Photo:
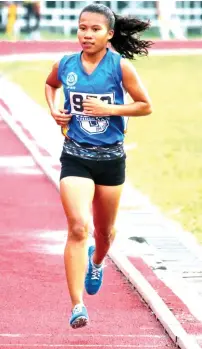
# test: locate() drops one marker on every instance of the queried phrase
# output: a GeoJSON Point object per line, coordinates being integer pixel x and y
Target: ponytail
{"type": "Point", "coordinates": [126, 39]}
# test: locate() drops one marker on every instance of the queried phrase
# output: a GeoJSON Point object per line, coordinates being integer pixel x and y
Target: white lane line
{"type": "Point", "coordinates": [41, 161]}
{"type": "Point", "coordinates": [32, 56]}
{"type": "Point", "coordinates": [19, 165]}
{"type": "Point", "coordinates": [23, 171]}
{"type": "Point", "coordinates": [54, 56]}
{"type": "Point", "coordinates": [44, 132]}
{"type": "Point", "coordinates": [176, 52]}
{"type": "Point", "coordinates": [17, 161]}
{"type": "Point", "coordinates": [172, 326]}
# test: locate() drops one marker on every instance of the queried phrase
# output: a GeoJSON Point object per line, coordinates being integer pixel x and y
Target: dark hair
{"type": "Point", "coordinates": [127, 29]}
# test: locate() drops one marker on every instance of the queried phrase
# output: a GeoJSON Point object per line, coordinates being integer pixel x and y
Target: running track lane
{"type": "Point", "coordinates": [34, 301]}
{"type": "Point", "coordinates": [8, 47]}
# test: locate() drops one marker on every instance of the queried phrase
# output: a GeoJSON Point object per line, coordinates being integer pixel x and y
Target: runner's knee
{"type": "Point", "coordinates": [107, 235]}
{"type": "Point", "coordinates": [78, 230]}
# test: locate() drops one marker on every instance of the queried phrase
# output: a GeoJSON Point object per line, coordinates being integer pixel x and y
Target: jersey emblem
{"type": "Point", "coordinates": [71, 79]}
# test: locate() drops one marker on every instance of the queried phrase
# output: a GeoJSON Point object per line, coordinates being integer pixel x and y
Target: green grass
{"type": "Point", "coordinates": [30, 75]}
{"type": "Point", "coordinates": [166, 164]}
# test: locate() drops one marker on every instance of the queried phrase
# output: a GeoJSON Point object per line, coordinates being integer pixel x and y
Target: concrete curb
{"type": "Point", "coordinates": [172, 326]}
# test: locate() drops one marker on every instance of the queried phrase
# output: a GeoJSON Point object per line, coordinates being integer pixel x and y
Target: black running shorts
{"type": "Point", "coordinates": [102, 172]}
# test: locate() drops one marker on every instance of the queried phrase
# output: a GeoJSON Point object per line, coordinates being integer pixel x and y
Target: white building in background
{"type": "Point", "coordinates": [169, 16]}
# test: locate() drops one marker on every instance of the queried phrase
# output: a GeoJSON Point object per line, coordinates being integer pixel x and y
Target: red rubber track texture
{"type": "Point", "coordinates": [21, 47]}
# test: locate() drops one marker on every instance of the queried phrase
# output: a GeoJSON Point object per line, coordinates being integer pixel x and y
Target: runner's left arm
{"type": "Point", "coordinates": [140, 105]}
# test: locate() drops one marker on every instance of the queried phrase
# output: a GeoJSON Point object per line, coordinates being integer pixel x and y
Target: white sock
{"type": "Point", "coordinates": [98, 266]}
{"type": "Point", "coordinates": [80, 304]}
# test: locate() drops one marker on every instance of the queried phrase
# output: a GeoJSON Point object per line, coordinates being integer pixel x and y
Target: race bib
{"type": "Point", "coordinates": [90, 124]}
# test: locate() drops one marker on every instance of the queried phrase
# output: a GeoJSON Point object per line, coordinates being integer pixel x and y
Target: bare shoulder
{"type": "Point", "coordinates": [132, 82]}
{"type": "Point", "coordinates": [130, 77]}
{"type": "Point", "coordinates": [52, 78]}
{"type": "Point", "coordinates": [127, 67]}
{"type": "Point", "coordinates": [56, 65]}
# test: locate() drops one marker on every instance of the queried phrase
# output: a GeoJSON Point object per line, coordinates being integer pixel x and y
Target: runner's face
{"type": "Point", "coordinates": [93, 32]}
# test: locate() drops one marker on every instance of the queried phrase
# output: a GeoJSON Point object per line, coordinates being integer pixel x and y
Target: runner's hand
{"type": "Point", "coordinates": [61, 116]}
{"type": "Point", "coordinates": [95, 107]}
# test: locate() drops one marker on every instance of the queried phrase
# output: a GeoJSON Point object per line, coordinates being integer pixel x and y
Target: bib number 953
{"type": "Point", "coordinates": [77, 98]}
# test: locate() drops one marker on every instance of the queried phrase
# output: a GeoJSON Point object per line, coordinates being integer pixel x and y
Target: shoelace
{"type": "Point", "coordinates": [77, 309]}
{"type": "Point", "coordinates": [96, 273]}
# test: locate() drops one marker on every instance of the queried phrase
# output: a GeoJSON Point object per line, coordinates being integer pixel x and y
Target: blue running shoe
{"type": "Point", "coordinates": [79, 317]}
{"type": "Point", "coordinates": [94, 275]}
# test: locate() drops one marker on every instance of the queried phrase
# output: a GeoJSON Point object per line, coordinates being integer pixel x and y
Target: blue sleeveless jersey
{"type": "Point", "coordinates": [105, 83]}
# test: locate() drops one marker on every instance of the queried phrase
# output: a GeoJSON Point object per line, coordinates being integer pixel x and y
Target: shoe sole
{"type": "Point", "coordinates": [79, 322]}
{"type": "Point", "coordinates": [92, 293]}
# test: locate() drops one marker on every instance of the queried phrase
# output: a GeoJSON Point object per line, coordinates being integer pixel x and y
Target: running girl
{"type": "Point", "coordinates": [93, 120]}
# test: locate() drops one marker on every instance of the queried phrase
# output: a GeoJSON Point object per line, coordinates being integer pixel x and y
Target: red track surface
{"type": "Point", "coordinates": [34, 300]}
{"type": "Point", "coordinates": [8, 47]}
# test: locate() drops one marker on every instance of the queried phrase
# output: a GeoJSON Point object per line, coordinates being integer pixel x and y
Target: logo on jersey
{"type": "Point", "coordinates": [93, 125]}
{"type": "Point", "coordinates": [71, 79]}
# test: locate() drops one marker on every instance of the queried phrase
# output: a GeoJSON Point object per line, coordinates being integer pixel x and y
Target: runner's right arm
{"type": "Point", "coordinates": [52, 87]}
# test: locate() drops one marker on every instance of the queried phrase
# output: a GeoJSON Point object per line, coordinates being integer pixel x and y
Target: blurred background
{"type": "Point", "coordinates": [58, 19]}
